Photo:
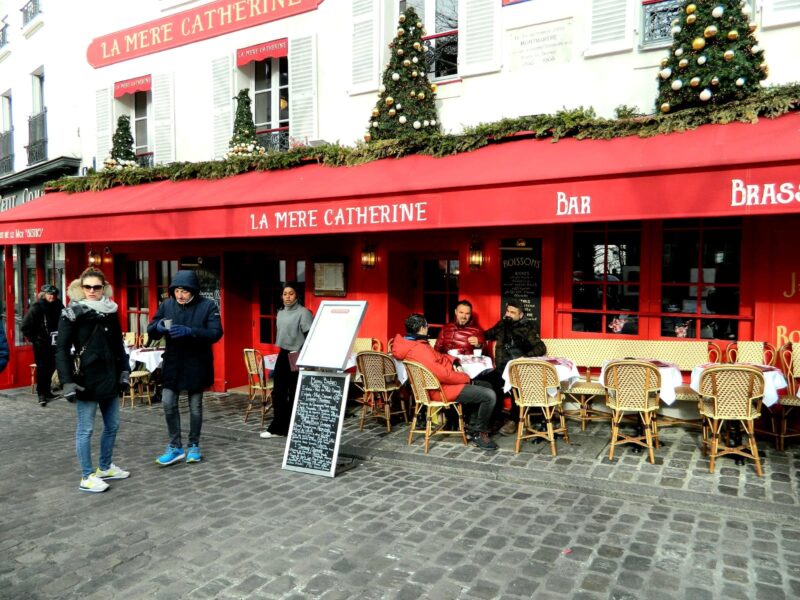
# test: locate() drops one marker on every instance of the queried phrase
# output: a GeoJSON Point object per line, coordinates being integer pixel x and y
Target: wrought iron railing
{"type": "Point", "coordinates": [144, 159]}
{"type": "Point", "coordinates": [6, 152]}
{"type": "Point", "coordinates": [3, 36]}
{"type": "Point", "coordinates": [29, 11]}
{"type": "Point", "coordinates": [274, 139]}
{"type": "Point", "coordinates": [443, 54]}
{"type": "Point", "coordinates": [657, 20]}
{"type": "Point", "coordinates": [37, 138]}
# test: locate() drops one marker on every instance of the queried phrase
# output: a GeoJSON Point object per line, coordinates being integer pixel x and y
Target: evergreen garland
{"type": "Point", "coordinates": [580, 123]}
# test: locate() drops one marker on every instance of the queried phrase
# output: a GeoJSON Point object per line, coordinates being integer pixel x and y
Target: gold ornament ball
{"type": "Point", "coordinates": [733, 35]}
{"type": "Point", "coordinates": [665, 107]}
{"type": "Point", "coordinates": [406, 63]}
{"type": "Point", "coordinates": [764, 67]}
{"type": "Point", "coordinates": [401, 32]}
{"type": "Point", "coordinates": [715, 81]}
{"type": "Point", "coordinates": [664, 62]}
{"type": "Point", "coordinates": [728, 55]}
{"type": "Point", "coordinates": [419, 24]}
{"type": "Point", "coordinates": [691, 8]}
{"type": "Point", "coordinates": [367, 137]}
{"type": "Point", "coordinates": [392, 112]}
{"type": "Point", "coordinates": [389, 100]}
{"type": "Point", "coordinates": [698, 43]}
{"type": "Point", "coordinates": [434, 88]}
{"type": "Point", "coordinates": [691, 19]}
{"type": "Point", "coordinates": [752, 27]}
{"type": "Point", "coordinates": [694, 81]}
{"type": "Point", "coordinates": [710, 31]}
{"type": "Point", "coordinates": [400, 52]}
{"type": "Point", "coordinates": [412, 93]}
{"type": "Point", "coordinates": [417, 46]}
{"type": "Point", "coordinates": [683, 63]}
{"type": "Point", "coordinates": [414, 73]}
{"type": "Point", "coordinates": [402, 18]}
{"type": "Point", "coordinates": [421, 95]}
{"type": "Point", "coordinates": [375, 112]}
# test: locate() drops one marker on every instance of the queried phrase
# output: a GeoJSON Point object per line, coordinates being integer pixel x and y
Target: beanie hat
{"type": "Point", "coordinates": [48, 288]}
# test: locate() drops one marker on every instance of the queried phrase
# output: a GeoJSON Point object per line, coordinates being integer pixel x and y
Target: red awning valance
{"type": "Point", "coordinates": [263, 51]}
{"type": "Point", "coordinates": [131, 86]}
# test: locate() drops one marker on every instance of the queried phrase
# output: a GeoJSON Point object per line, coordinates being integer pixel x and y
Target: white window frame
{"type": "Point", "coordinates": [5, 112]}
{"type": "Point", "coordinates": [615, 46]}
{"type": "Point", "coordinates": [429, 23]}
{"type": "Point", "coordinates": [779, 13]}
{"type": "Point", "coordinates": [276, 89]}
{"type": "Point", "coordinates": [147, 123]}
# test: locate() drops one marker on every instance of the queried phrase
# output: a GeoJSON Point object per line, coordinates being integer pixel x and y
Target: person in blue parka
{"type": "Point", "coordinates": [191, 325]}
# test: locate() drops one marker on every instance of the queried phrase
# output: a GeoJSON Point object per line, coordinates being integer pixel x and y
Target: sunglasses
{"type": "Point", "coordinates": [94, 288]}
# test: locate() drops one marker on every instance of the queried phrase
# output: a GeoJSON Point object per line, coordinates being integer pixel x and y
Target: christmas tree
{"type": "Point", "coordinates": [715, 57]}
{"type": "Point", "coordinates": [244, 141]}
{"type": "Point", "coordinates": [406, 101]}
{"type": "Point", "coordinates": [122, 144]}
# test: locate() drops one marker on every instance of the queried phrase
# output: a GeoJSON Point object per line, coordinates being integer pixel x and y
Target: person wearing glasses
{"type": "Point", "coordinates": [191, 325]}
{"type": "Point", "coordinates": [93, 369]}
{"type": "Point", "coordinates": [40, 326]}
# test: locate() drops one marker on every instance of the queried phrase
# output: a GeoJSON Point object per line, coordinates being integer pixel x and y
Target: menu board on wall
{"type": "Point", "coordinates": [315, 431]}
{"type": "Point", "coordinates": [521, 275]}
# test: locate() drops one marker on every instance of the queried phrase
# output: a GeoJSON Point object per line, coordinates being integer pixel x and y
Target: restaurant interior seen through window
{"type": "Point", "coordinates": [440, 292]}
{"type": "Point", "coordinates": [137, 283]}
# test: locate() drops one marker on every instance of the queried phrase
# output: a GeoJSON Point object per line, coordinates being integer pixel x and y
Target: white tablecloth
{"type": "Point", "coordinates": [566, 369]}
{"type": "Point", "coordinates": [150, 358]}
{"type": "Point", "coordinates": [773, 381]}
{"type": "Point", "coordinates": [671, 378]}
{"type": "Point", "coordinates": [474, 365]}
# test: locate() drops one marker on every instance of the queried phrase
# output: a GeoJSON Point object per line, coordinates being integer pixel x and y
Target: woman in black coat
{"type": "Point", "coordinates": [191, 325]}
{"type": "Point", "coordinates": [89, 329]}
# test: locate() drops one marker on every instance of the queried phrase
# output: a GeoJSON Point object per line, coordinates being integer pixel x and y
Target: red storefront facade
{"type": "Point", "coordinates": [628, 234]}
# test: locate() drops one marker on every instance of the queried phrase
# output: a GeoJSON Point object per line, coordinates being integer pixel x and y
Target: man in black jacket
{"type": "Point", "coordinates": [515, 337]}
{"type": "Point", "coordinates": [40, 326]}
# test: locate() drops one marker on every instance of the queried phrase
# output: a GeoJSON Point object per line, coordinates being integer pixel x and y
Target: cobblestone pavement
{"type": "Point", "coordinates": [457, 523]}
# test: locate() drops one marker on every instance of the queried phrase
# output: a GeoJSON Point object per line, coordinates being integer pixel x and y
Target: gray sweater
{"type": "Point", "coordinates": [293, 323]}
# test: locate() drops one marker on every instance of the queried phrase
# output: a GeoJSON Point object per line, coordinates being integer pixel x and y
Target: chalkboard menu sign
{"type": "Point", "coordinates": [521, 275]}
{"type": "Point", "coordinates": [313, 442]}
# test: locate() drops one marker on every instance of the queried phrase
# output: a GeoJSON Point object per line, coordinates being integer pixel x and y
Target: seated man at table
{"type": "Point", "coordinates": [460, 334]}
{"type": "Point", "coordinates": [515, 337]}
{"type": "Point", "coordinates": [455, 384]}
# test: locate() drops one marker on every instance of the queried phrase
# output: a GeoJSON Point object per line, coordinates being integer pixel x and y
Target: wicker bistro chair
{"type": "Point", "coordinates": [633, 386]}
{"type": "Point", "coordinates": [379, 381]}
{"type": "Point", "coordinates": [780, 413]}
{"type": "Point", "coordinates": [731, 393]}
{"type": "Point", "coordinates": [259, 385]}
{"type": "Point", "coordinates": [141, 386]}
{"type": "Point", "coordinates": [423, 382]}
{"type": "Point", "coordinates": [535, 384]}
{"type": "Point", "coordinates": [760, 353]}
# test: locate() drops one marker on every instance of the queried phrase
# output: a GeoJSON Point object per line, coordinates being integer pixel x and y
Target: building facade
{"type": "Point", "coordinates": [660, 238]}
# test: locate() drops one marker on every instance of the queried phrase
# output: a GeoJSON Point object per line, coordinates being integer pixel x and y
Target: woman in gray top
{"type": "Point", "coordinates": [293, 322]}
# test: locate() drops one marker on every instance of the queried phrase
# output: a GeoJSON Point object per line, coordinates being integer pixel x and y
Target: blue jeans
{"type": "Point", "coordinates": [169, 400]}
{"type": "Point", "coordinates": [87, 410]}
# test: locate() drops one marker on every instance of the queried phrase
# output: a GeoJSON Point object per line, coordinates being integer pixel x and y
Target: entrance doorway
{"type": "Point", "coordinates": [270, 275]}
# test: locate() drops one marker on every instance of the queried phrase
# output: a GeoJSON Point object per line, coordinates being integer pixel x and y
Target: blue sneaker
{"type": "Point", "coordinates": [193, 455]}
{"type": "Point", "coordinates": [172, 455]}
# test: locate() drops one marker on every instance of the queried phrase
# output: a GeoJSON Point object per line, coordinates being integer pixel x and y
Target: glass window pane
{"type": "Point", "coordinates": [433, 275]}
{"type": "Point", "coordinates": [588, 256]}
{"type": "Point", "coordinates": [417, 5]}
{"type": "Point", "coordinates": [283, 71]}
{"type": "Point", "coordinates": [587, 322]}
{"type": "Point", "coordinates": [283, 107]}
{"type": "Point", "coordinates": [446, 15]}
{"type": "Point", "coordinates": [678, 327]}
{"type": "Point", "coordinates": [720, 329]}
{"type": "Point", "coordinates": [140, 105]}
{"type": "Point", "coordinates": [263, 74]}
{"type": "Point", "coordinates": [721, 252]}
{"type": "Point", "coordinates": [622, 298]}
{"type": "Point", "coordinates": [434, 307]}
{"type": "Point", "coordinates": [263, 109]}
{"type": "Point", "coordinates": [587, 295]}
{"type": "Point", "coordinates": [141, 133]}
{"type": "Point", "coordinates": [679, 255]}
{"type": "Point", "coordinates": [623, 324]}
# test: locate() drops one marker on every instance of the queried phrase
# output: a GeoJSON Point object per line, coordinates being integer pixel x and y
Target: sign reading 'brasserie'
{"type": "Point", "coordinates": [207, 21]}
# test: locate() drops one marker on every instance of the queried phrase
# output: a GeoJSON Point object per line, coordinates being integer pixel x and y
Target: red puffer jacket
{"type": "Point", "coordinates": [441, 365]}
{"type": "Point", "coordinates": [454, 337]}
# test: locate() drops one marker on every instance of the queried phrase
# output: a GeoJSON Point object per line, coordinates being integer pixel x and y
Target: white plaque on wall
{"type": "Point", "coordinates": [540, 45]}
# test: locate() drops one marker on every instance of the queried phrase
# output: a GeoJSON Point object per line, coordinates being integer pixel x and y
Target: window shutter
{"type": "Point", "coordinates": [365, 46]}
{"type": "Point", "coordinates": [780, 12]}
{"type": "Point", "coordinates": [302, 89]}
{"type": "Point", "coordinates": [164, 119]}
{"type": "Point", "coordinates": [610, 29]}
{"type": "Point", "coordinates": [103, 117]}
{"type": "Point", "coordinates": [478, 36]}
{"type": "Point", "coordinates": [222, 97]}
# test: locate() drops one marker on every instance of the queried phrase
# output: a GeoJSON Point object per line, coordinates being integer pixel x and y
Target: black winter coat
{"type": "Point", "coordinates": [104, 358]}
{"type": "Point", "coordinates": [41, 320]}
{"type": "Point", "coordinates": [514, 339]}
{"type": "Point", "coordinates": [188, 361]}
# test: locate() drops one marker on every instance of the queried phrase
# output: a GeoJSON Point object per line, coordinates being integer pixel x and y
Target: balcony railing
{"type": "Point", "coordinates": [657, 22]}
{"type": "Point", "coordinates": [443, 54]}
{"type": "Point", "coordinates": [274, 139]}
{"type": "Point", "coordinates": [37, 138]}
{"type": "Point", "coordinates": [4, 36]}
{"type": "Point", "coordinates": [29, 11]}
{"type": "Point", "coordinates": [6, 152]}
{"type": "Point", "coordinates": [144, 159]}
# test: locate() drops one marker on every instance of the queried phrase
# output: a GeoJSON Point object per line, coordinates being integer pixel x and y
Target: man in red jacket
{"type": "Point", "coordinates": [460, 334]}
{"type": "Point", "coordinates": [455, 384]}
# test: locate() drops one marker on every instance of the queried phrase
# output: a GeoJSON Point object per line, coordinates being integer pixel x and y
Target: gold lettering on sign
{"type": "Point", "coordinates": [792, 287]}
{"type": "Point", "coordinates": [783, 335]}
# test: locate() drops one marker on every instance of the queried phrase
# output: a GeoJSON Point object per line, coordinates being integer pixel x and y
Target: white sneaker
{"type": "Point", "coordinates": [93, 484]}
{"type": "Point", "coordinates": [265, 435]}
{"type": "Point", "coordinates": [113, 472]}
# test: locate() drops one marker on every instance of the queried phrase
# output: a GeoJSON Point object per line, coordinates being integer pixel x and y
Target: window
{"type": "Point", "coordinates": [3, 35]}
{"type": "Point", "coordinates": [29, 11]}
{"type": "Point", "coordinates": [657, 20]}
{"type": "Point", "coordinates": [605, 278]}
{"type": "Point", "coordinates": [37, 123]}
{"type": "Point", "coordinates": [440, 19]}
{"type": "Point", "coordinates": [272, 102]}
{"type": "Point", "coordinates": [141, 146]}
{"type": "Point", "coordinates": [6, 136]}
{"type": "Point", "coordinates": [700, 279]}
{"type": "Point", "coordinates": [137, 293]}
{"type": "Point", "coordinates": [54, 265]}
{"type": "Point", "coordinates": [24, 263]}
{"type": "Point", "coordinates": [165, 271]}
{"type": "Point", "coordinates": [439, 292]}
{"type": "Point", "coordinates": [270, 286]}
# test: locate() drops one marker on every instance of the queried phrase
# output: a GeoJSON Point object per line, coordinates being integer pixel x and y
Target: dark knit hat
{"type": "Point", "coordinates": [516, 303]}
{"type": "Point", "coordinates": [48, 288]}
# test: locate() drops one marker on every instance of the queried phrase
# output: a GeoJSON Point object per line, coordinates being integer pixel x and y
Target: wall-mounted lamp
{"type": "Point", "coordinates": [368, 258]}
{"type": "Point", "coordinates": [475, 257]}
{"type": "Point", "coordinates": [95, 259]}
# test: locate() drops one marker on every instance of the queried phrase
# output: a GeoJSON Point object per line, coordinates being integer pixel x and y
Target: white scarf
{"type": "Point", "coordinates": [104, 305]}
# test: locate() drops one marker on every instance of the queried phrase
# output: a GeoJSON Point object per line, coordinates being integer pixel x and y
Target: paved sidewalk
{"type": "Point", "coordinates": [457, 523]}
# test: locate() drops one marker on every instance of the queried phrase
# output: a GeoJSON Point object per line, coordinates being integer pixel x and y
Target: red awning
{"type": "Point", "coordinates": [273, 49]}
{"type": "Point", "coordinates": [131, 86]}
{"type": "Point", "coordinates": [716, 170]}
